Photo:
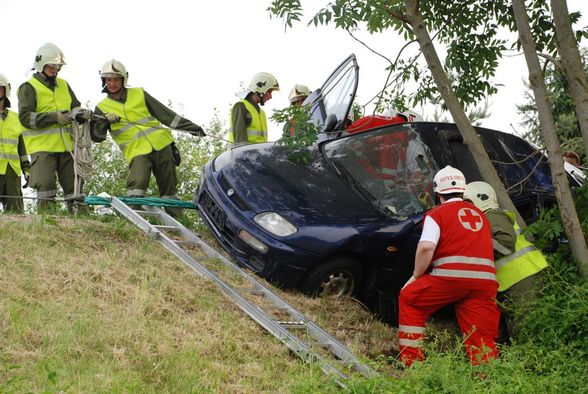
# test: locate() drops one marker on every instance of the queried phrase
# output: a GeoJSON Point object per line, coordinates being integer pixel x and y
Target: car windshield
{"type": "Point", "coordinates": [391, 167]}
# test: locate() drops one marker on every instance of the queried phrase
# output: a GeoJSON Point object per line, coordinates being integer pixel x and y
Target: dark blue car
{"type": "Point", "coordinates": [348, 221]}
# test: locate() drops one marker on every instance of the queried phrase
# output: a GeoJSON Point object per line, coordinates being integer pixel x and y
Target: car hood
{"type": "Point", "coordinates": [266, 178]}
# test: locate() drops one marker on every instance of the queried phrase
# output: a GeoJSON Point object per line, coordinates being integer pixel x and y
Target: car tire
{"type": "Point", "coordinates": [337, 277]}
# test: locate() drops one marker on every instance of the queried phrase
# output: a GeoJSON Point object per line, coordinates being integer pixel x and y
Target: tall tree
{"type": "Point", "coordinates": [472, 55]}
{"type": "Point", "coordinates": [560, 182]}
{"type": "Point", "coordinates": [572, 64]}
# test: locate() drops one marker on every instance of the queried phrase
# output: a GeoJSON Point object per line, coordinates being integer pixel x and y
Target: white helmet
{"type": "Point", "coordinates": [482, 195]}
{"type": "Point", "coordinates": [408, 115]}
{"type": "Point", "coordinates": [48, 54]}
{"type": "Point", "coordinates": [262, 82]}
{"type": "Point", "coordinates": [4, 82]}
{"type": "Point", "coordinates": [297, 92]}
{"type": "Point", "coordinates": [113, 69]}
{"type": "Point", "coordinates": [449, 180]}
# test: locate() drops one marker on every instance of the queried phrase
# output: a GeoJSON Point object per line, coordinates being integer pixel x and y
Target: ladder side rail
{"type": "Point", "coordinates": [313, 330]}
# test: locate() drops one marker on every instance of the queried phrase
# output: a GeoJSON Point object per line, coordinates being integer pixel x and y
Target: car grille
{"type": "Point", "coordinates": [212, 210]}
{"type": "Point", "coordinates": [235, 197]}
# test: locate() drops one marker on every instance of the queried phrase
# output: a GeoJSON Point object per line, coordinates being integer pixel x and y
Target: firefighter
{"type": "Point", "coordinates": [46, 106]}
{"type": "Point", "coordinates": [453, 265]}
{"type": "Point", "coordinates": [134, 120]}
{"type": "Point", "coordinates": [297, 95]}
{"type": "Point", "coordinates": [248, 120]}
{"type": "Point", "coordinates": [13, 156]}
{"type": "Point", "coordinates": [518, 261]}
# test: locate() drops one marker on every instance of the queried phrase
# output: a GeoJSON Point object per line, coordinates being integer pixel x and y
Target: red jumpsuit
{"type": "Point", "coordinates": [461, 273]}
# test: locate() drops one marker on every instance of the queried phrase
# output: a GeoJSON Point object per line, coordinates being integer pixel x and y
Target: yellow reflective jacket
{"type": "Point", "coordinates": [54, 138]}
{"type": "Point", "coordinates": [137, 132]}
{"type": "Point", "coordinates": [257, 129]}
{"type": "Point", "coordinates": [526, 260]}
{"type": "Point", "coordinates": [10, 131]}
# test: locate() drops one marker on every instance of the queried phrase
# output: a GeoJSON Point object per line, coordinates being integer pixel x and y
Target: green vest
{"type": "Point", "coordinates": [54, 138]}
{"type": "Point", "coordinates": [10, 131]}
{"type": "Point", "coordinates": [526, 260]}
{"type": "Point", "coordinates": [137, 132]}
{"type": "Point", "coordinates": [257, 129]}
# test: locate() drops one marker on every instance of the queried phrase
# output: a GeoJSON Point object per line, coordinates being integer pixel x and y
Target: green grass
{"type": "Point", "coordinates": [94, 305]}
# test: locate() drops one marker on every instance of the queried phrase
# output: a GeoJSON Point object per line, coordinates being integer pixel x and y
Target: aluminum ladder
{"type": "Point", "coordinates": [282, 329]}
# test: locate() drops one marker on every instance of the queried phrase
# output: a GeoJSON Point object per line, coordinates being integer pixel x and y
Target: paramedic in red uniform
{"type": "Point", "coordinates": [453, 265]}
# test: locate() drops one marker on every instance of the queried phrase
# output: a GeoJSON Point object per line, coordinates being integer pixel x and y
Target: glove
{"type": "Point", "coordinates": [112, 117]}
{"type": "Point", "coordinates": [80, 114]}
{"type": "Point", "coordinates": [62, 118]}
{"type": "Point", "coordinates": [197, 132]}
{"type": "Point", "coordinates": [27, 176]}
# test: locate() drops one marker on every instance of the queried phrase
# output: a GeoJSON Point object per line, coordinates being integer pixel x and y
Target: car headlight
{"type": "Point", "coordinates": [275, 224]}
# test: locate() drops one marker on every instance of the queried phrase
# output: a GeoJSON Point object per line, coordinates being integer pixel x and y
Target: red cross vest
{"type": "Point", "coordinates": [465, 246]}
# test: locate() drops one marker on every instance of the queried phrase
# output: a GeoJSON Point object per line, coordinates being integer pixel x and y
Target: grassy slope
{"type": "Point", "coordinates": [95, 306]}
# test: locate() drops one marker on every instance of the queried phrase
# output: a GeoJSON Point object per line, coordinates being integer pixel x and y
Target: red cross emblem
{"type": "Point", "coordinates": [470, 219]}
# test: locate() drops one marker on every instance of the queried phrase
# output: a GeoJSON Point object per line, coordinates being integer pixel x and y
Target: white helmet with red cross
{"type": "Point", "coordinates": [449, 180]}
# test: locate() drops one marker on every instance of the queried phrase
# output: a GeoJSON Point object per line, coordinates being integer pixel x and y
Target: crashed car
{"type": "Point", "coordinates": [347, 221]}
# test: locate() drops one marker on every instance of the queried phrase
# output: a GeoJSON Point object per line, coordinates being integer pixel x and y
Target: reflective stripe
{"type": "Point", "coordinates": [136, 193]}
{"type": "Point", "coordinates": [32, 133]}
{"type": "Point", "coordinates": [140, 134]}
{"type": "Point", "coordinates": [411, 329]}
{"type": "Point", "coordinates": [8, 141]}
{"type": "Point", "coordinates": [463, 260]}
{"type": "Point", "coordinates": [175, 122]}
{"type": "Point", "coordinates": [410, 342]}
{"type": "Point", "coordinates": [24, 157]}
{"type": "Point", "coordinates": [47, 194]}
{"type": "Point", "coordinates": [503, 250]}
{"type": "Point", "coordinates": [464, 274]}
{"type": "Point", "coordinates": [72, 195]}
{"type": "Point", "coordinates": [172, 197]}
{"type": "Point", "coordinates": [255, 133]}
{"type": "Point", "coordinates": [33, 120]}
{"type": "Point", "coordinates": [8, 156]}
{"type": "Point", "coordinates": [505, 260]}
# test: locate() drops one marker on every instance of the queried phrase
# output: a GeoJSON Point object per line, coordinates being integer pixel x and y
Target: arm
{"type": "Point", "coordinates": [423, 257]}
{"type": "Point", "coordinates": [25, 164]}
{"type": "Point", "coordinates": [503, 233]}
{"type": "Point", "coordinates": [169, 118]}
{"type": "Point", "coordinates": [239, 121]}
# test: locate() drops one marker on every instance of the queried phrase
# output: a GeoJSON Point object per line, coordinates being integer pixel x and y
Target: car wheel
{"type": "Point", "coordinates": [337, 277]}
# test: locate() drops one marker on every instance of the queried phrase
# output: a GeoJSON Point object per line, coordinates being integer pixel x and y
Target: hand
{"type": "Point", "coordinates": [112, 117]}
{"type": "Point", "coordinates": [408, 282]}
{"type": "Point", "coordinates": [197, 132]}
{"type": "Point", "coordinates": [63, 118]}
{"type": "Point", "coordinates": [80, 114]}
{"type": "Point", "coordinates": [27, 176]}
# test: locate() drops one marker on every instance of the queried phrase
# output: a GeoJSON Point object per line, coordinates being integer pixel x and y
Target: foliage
{"type": "Point", "coordinates": [299, 132]}
{"type": "Point", "coordinates": [562, 107]}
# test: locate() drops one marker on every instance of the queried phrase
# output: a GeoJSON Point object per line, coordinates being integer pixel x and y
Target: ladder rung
{"type": "Point", "coordinates": [147, 213]}
{"type": "Point", "coordinates": [164, 227]}
{"type": "Point", "coordinates": [292, 324]}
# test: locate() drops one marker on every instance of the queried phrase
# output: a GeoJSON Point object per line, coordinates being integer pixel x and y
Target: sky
{"type": "Point", "coordinates": [198, 54]}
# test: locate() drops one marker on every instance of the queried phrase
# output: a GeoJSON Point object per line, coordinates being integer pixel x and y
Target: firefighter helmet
{"type": "Point", "coordinates": [4, 82]}
{"type": "Point", "coordinates": [262, 82]}
{"type": "Point", "coordinates": [113, 69]}
{"type": "Point", "coordinates": [298, 91]}
{"type": "Point", "coordinates": [408, 115]}
{"type": "Point", "coordinates": [482, 195]}
{"type": "Point", "coordinates": [449, 180]}
{"type": "Point", "coordinates": [48, 54]}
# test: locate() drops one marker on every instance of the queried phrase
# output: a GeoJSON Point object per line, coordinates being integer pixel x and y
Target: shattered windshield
{"type": "Point", "coordinates": [391, 167]}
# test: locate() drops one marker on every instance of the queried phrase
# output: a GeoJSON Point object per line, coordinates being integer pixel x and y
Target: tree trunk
{"type": "Point", "coordinates": [469, 134]}
{"type": "Point", "coordinates": [572, 64]}
{"type": "Point", "coordinates": [560, 180]}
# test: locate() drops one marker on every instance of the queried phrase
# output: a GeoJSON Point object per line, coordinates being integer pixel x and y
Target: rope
{"type": "Point", "coordinates": [82, 154]}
